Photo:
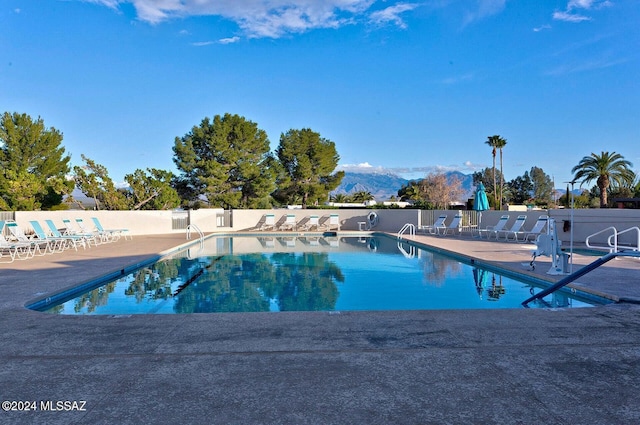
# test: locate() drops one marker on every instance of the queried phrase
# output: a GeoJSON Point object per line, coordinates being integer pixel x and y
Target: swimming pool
{"type": "Point", "coordinates": [313, 273]}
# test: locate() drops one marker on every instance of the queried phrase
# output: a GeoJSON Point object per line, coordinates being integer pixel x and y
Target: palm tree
{"type": "Point", "coordinates": [496, 142]}
{"type": "Point", "coordinates": [605, 169]}
{"type": "Point", "coordinates": [501, 143]}
{"type": "Point", "coordinates": [362, 196]}
{"type": "Point", "coordinates": [339, 198]}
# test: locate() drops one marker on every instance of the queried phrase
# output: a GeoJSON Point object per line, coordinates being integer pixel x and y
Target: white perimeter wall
{"type": "Point", "coordinates": [585, 221]}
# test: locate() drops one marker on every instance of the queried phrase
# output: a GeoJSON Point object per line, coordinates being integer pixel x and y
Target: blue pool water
{"type": "Point", "coordinates": [269, 273]}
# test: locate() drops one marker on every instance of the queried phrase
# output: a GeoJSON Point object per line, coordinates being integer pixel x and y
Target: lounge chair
{"type": "Point", "coordinates": [453, 227]}
{"type": "Point", "coordinates": [269, 222]}
{"type": "Point", "coordinates": [74, 240]}
{"type": "Point", "coordinates": [13, 250]}
{"type": "Point", "coordinates": [333, 222]}
{"type": "Point", "coordinates": [37, 247]}
{"type": "Point", "coordinates": [104, 237]}
{"type": "Point", "coordinates": [116, 233]}
{"type": "Point", "coordinates": [290, 223]}
{"type": "Point", "coordinates": [56, 244]}
{"type": "Point", "coordinates": [70, 229]}
{"type": "Point", "coordinates": [312, 223]}
{"type": "Point", "coordinates": [515, 228]}
{"type": "Point", "coordinates": [493, 230]}
{"type": "Point", "coordinates": [537, 228]}
{"type": "Point", "coordinates": [434, 228]}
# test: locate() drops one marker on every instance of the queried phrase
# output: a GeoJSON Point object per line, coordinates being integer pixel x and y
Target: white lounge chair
{"type": "Point", "coordinates": [453, 227]}
{"type": "Point", "coordinates": [74, 240]}
{"type": "Point", "coordinates": [537, 228]}
{"type": "Point", "coordinates": [37, 247]}
{"type": "Point", "coordinates": [56, 244]}
{"type": "Point", "coordinates": [290, 223]}
{"type": "Point", "coordinates": [312, 223]}
{"type": "Point", "coordinates": [493, 230]}
{"type": "Point", "coordinates": [333, 222]}
{"type": "Point", "coordinates": [435, 228]}
{"type": "Point", "coordinates": [70, 229]}
{"type": "Point", "coordinates": [11, 249]}
{"type": "Point", "coordinates": [103, 236]}
{"type": "Point", "coordinates": [115, 232]}
{"type": "Point", "coordinates": [269, 222]}
{"type": "Point", "coordinates": [515, 228]}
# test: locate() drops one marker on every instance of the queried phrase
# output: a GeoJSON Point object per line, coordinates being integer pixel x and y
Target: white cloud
{"type": "Point", "coordinates": [484, 9]}
{"type": "Point", "coordinates": [392, 14]}
{"type": "Point", "coordinates": [258, 18]}
{"type": "Point", "coordinates": [229, 40]}
{"type": "Point", "coordinates": [542, 28]}
{"type": "Point", "coordinates": [569, 17]}
{"type": "Point", "coordinates": [570, 14]}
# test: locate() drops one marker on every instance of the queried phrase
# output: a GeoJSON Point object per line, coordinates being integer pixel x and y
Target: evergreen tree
{"type": "Point", "coordinates": [34, 164]}
{"type": "Point", "coordinates": [93, 180]}
{"type": "Point", "coordinates": [152, 191]}
{"type": "Point", "coordinates": [226, 160]}
{"type": "Point", "coordinates": [308, 162]}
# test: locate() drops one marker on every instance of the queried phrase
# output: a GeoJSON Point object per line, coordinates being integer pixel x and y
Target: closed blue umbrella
{"type": "Point", "coordinates": [480, 202]}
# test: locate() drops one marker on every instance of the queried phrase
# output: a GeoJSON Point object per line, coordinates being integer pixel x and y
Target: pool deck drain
{"type": "Point", "coordinates": [454, 366]}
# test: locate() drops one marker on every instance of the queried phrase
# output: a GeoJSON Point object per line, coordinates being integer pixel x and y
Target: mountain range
{"type": "Point", "coordinates": [385, 185]}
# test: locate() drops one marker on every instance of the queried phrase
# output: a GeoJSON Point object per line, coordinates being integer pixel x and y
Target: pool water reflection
{"type": "Point", "coordinates": [270, 273]}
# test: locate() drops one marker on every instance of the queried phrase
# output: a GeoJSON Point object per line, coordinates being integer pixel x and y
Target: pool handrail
{"type": "Point", "coordinates": [586, 269]}
{"type": "Point", "coordinates": [616, 236]}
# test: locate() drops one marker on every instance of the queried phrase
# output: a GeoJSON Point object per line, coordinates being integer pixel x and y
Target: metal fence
{"type": "Point", "coordinates": [179, 220]}
{"type": "Point", "coordinates": [7, 215]}
{"type": "Point", "coordinates": [469, 222]}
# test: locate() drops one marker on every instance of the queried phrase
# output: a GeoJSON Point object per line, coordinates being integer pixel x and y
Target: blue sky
{"type": "Point", "coordinates": [408, 86]}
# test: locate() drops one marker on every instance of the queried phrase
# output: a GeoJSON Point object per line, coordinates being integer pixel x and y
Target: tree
{"type": "Point", "coordinates": [93, 180]}
{"type": "Point", "coordinates": [152, 191]}
{"type": "Point", "coordinates": [226, 161]}
{"type": "Point", "coordinates": [308, 162]}
{"type": "Point", "coordinates": [362, 196]}
{"type": "Point", "coordinates": [339, 198]}
{"type": "Point", "coordinates": [605, 169]}
{"type": "Point", "coordinates": [440, 190]}
{"type": "Point", "coordinates": [34, 164]}
{"type": "Point", "coordinates": [542, 186]}
{"type": "Point", "coordinates": [521, 189]}
{"type": "Point", "coordinates": [496, 142]}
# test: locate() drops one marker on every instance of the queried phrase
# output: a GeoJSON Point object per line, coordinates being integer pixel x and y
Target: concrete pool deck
{"type": "Point", "coordinates": [518, 366]}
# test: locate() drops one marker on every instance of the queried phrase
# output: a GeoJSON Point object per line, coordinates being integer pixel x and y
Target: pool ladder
{"type": "Point", "coordinates": [190, 228]}
{"type": "Point", "coordinates": [408, 227]}
{"type": "Point", "coordinates": [411, 229]}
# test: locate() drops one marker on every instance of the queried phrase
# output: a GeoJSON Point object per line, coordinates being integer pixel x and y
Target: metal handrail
{"type": "Point", "coordinates": [201, 238]}
{"type": "Point", "coordinates": [407, 227]}
{"type": "Point", "coordinates": [197, 229]}
{"type": "Point", "coordinates": [612, 248]}
{"type": "Point", "coordinates": [586, 269]}
{"type": "Point", "coordinates": [617, 235]}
